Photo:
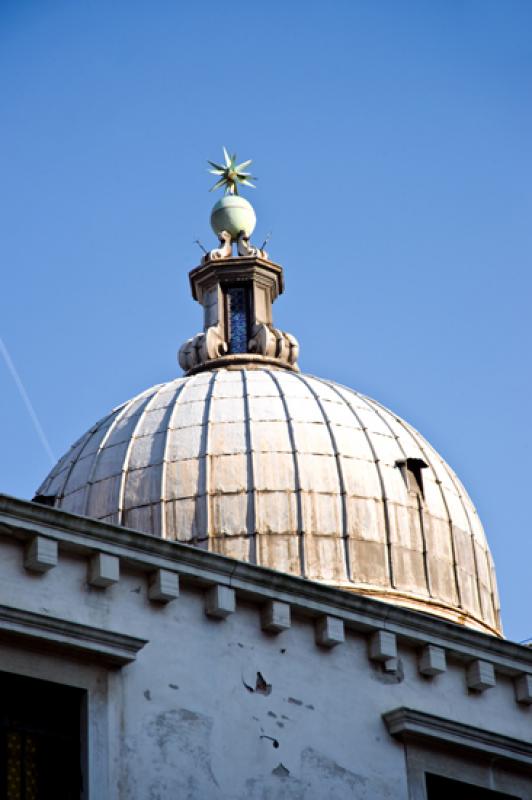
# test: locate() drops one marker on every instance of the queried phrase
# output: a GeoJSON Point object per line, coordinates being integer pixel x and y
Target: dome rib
{"type": "Point", "coordinates": [204, 476]}
{"type": "Point", "coordinates": [375, 407]}
{"type": "Point", "coordinates": [127, 458]}
{"type": "Point", "coordinates": [121, 412]}
{"type": "Point", "coordinates": [251, 515]}
{"type": "Point", "coordinates": [87, 438]}
{"type": "Point", "coordinates": [71, 458]}
{"type": "Point", "coordinates": [297, 477]}
{"type": "Point", "coordinates": [295, 473]}
{"type": "Point", "coordinates": [339, 468]}
{"type": "Point", "coordinates": [414, 434]}
{"type": "Point", "coordinates": [173, 409]}
{"type": "Point", "coordinates": [450, 473]}
{"type": "Point", "coordinates": [384, 496]}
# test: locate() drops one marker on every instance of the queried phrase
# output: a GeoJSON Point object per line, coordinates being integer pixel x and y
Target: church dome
{"type": "Point", "coordinates": [247, 457]}
{"type": "Point", "coordinates": [292, 472]}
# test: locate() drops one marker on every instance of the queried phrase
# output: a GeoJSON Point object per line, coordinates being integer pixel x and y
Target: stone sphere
{"type": "Point", "coordinates": [233, 214]}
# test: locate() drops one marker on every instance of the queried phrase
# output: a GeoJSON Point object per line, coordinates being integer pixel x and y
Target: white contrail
{"type": "Point", "coordinates": [27, 401]}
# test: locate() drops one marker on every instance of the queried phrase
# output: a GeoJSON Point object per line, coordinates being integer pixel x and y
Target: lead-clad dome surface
{"type": "Point", "coordinates": [291, 472]}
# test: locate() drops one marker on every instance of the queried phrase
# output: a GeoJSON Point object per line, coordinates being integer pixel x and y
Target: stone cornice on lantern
{"type": "Point", "coordinates": [264, 273]}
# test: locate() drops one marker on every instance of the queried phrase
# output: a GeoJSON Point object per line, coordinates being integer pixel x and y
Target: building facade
{"type": "Point", "coordinates": [253, 584]}
{"type": "Point", "coordinates": [198, 676]}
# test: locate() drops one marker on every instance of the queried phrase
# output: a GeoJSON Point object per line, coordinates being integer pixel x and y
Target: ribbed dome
{"type": "Point", "coordinates": [291, 472]}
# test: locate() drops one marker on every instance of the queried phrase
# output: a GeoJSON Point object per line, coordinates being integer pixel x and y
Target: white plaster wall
{"type": "Point", "coordinates": [180, 722]}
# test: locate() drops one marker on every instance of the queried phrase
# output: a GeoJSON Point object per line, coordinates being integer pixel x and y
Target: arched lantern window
{"type": "Point", "coordinates": [237, 317]}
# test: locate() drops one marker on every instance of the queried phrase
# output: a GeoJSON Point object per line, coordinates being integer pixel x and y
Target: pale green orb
{"type": "Point", "coordinates": [233, 214]}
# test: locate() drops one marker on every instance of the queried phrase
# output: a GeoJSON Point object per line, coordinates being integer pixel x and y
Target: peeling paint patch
{"type": "Point", "coordinates": [295, 701]}
{"type": "Point", "coordinates": [182, 750]}
{"type": "Point", "coordinates": [320, 778]}
{"type": "Point", "coordinates": [277, 787]}
{"type": "Point", "coordinates": [261, 685]}
{"type": "Point", "coordinates": [319, 767]}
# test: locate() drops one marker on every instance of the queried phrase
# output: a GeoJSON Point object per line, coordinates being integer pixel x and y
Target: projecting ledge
{"type": "Point", "coordinates": [108, 647]}
{"type": "Point", "coordinates": [409, 725]}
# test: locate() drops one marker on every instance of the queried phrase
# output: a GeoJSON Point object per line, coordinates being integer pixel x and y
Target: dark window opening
{"type": "Point", "coordinates": [411, 470]}
{"type": "Point", "coordinates": [44, 499]}
{"type": "Point", "coordinates": [439, 788]}
{"type": "Point", "coordinates": [237, 318]}
{"type": "Point", "coordinates": [40, 740]}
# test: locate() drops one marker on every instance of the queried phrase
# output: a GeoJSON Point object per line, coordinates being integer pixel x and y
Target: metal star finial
{"type": "Point", "coordinates": [231, 174]}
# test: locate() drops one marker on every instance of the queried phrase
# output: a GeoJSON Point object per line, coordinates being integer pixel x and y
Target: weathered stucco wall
{"type": "Point", "coordinates": [219, 708]}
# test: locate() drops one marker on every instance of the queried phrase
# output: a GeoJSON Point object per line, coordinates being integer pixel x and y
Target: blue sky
{"type": "Point", "coordinates": [393, 145]}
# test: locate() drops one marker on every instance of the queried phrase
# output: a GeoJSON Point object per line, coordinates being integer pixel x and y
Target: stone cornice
{"type": "Point", "coordinates": [230, 269]}
{"type": "Point", "coordinates": [24, 520]}
{"type": "Point", "coordinates": [108, 647]}
{"type": "Point", "coordinates": [407, 724]}
{"type": "Point", "coordinates": [239, 360]}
